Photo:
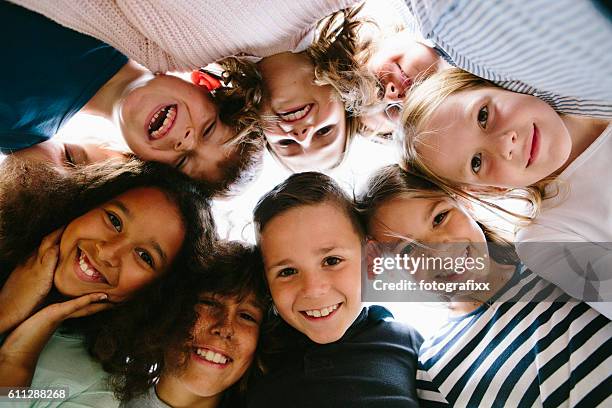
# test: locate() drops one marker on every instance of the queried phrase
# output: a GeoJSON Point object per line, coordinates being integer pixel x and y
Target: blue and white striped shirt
{"type": "Point", "coordinates": [555, 352]}
{"type": "Point", "coordinates": [558, 50]}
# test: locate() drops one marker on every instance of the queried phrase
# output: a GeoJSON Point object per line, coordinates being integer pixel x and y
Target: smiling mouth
{"type": "Point", "coordinates": [533, 151]}
{"type": "Point", "coordinates": [296, 114]}
{"type": "Point", "coordinates": [451, 274]}
{"type": "Point", "coordinates": [323, 313]}
{"type": "Point", "coordinates": [87, 271]}
{"type": "Point", "coordinates": [161, 121]}
{"type": "Point", "coordinates": [211, 356]}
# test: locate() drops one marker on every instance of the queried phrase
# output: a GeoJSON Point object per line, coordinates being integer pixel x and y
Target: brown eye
{"type": "Point", "coordinates": [439, 219]}
{"type": "Point", "coordinates": [324, 130]}
{"type": "Point", "coordinates": [285, 142]}
{"type": "Point", "coordinates": [476, 163]}
{"type": "Point", "coordinates": [483, 116]}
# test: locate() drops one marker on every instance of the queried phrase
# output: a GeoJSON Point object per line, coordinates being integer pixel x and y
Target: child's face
{"type": "Point", "coordinates": [169, 120]}
{"type": "Point", "coordinates": [65, 155]}
{"type": "Point", "coordinates": [312, 257]}
{"type": "Point", "coordinates": [304, 123]}
{"type": "Point", "coordinates": [116, 249]}
{"type": "Point", "coordinates": [493, 137]}
{"type": "Point", "coordinates": [223, 346]}
{"type": "Point", "coordinates": [438, 223]}
{"type": "Point", "coordinates": [398, 61]}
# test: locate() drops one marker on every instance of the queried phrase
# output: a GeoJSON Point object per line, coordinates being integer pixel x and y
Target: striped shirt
{"type": "Point", "coordinates": [557, 50]}
{"type": "Point", "coordinates": [514, 352]}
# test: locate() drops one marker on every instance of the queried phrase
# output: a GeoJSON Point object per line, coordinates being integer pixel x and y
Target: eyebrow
{"type": "Point", "coordinates": [320, 251]}
{"type": "Point", "coordinates": [123, 208]}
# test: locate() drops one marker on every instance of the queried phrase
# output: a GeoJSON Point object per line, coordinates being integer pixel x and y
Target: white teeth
{"type": "Point", "coordinates": [321, 312]}
{"type": "Point", "coordinates": [212, 356]}
{"type": "Point", "coordinates": [296, 115]}
{"type": "Point", "coordinates": [170, 114]}
{"type": "Point", "coordinates": [85, 267]}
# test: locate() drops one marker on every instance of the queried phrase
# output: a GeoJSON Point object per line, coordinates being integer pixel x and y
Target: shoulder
{"type": "Point", "coordinates": [383, 324]}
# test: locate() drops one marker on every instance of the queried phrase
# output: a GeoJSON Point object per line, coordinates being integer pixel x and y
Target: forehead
{"type": "Point", "coordinates": [446, 141]}
{"type": "Point", "coordinates": [306, 229]}
{"type": "Point", "coordinates": [402, 216]}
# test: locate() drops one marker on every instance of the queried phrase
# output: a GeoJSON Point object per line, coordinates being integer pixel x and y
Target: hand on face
{"type": "Point", "coordinates": [19, 353]}
{"type": "Point", "coordinates": [29, 283]}
{"type": "Point", "coordinates": [312, 257]}
{"type": "Point", "coordinates": [169, 120]}
{"type": "Point", "coordinates": [116, 249]}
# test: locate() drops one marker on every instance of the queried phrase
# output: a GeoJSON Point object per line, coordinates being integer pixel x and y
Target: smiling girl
{"type": "Point", "coordinates": [522, 342]}
{"type": "Point", "coordinates": [70, 240]}
{"type": "Point", "coordinates": [310, 238]}
{"type": "Point", "coordinates": [477, 138]}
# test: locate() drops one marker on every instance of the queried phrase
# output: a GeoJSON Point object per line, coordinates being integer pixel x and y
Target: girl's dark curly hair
{"type": "Point", "coordinates": [170, 315]}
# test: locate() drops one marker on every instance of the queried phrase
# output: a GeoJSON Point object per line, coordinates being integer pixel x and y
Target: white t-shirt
{"type": "Point", "coordinates": [570, 242]}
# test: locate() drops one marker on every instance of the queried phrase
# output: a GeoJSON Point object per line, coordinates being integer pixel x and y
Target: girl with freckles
{"type": "Point", "coordinates": [328, 350]}
{"type": "Point", "coordinates": [201, 351]}
{"type": "Point", "coordinates": [521, 342]}
{"type": "Point", "coordinates": [480, 140]}
{"type": "Point", "coordinates": [97, 242]}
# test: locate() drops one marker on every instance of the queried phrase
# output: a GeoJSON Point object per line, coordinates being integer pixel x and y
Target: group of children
{"type": "Point", "coordinates": [116, 284]}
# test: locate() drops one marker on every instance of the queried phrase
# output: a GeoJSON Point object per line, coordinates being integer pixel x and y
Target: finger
{"type": "Point", "coordinates": [61, 311]}
{"type": "Point", "coordinates": [90, 309]}
{"type": "Point", "coordinates": [49, 259]}
{"type": "Point", "coordinates": [50, 240]}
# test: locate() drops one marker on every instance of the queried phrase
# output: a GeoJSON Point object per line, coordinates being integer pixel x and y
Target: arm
{"type": "Point", "coordinates": [428, 393]}
{"type": "Point", "coordinates": [29, 283]}
{"type": "Point", "coordinates": [19, 353]}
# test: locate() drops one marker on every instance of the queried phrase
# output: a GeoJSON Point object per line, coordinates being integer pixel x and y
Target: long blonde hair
{"type": "Point", "coordinates": [422, 102]}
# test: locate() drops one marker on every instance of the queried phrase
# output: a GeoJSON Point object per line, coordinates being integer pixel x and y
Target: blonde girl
{"type": "Point", "coordinates": [476, 138]}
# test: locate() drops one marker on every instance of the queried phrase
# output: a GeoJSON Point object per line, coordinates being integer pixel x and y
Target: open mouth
{"type": "Point", "coordinates": [450, 274]}
{"type": "Point", "coordinates": [535, 145]}
{"type": "Point", "coordinates": [86, 271]}
{"type": "Point", "coordinates": [212, 357]}
{"type": "Point", "coordinates": [161, 121]}
{"type": "Point", "coordinates": [296, 114]}
{"type": "Point", "coordinates": [323, 313]}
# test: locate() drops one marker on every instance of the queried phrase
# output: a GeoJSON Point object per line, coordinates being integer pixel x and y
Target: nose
{"type": "Point", "coordinates": [109, 252]}
{"type": "Point", "coordinates": [223, 327]}
{"type": "Point", "coordinates": [506, 143]}
{"type": "Point", "coordinates": [302, 134]}
{"type": "Point", "coordinates": [314, 285]}
{"type": "Point", "coordinates": [393, 92]}
{"type": "Point", "coordinates": [186, 141]}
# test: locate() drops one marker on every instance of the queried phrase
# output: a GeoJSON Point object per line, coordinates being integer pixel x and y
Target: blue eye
{"type": "Point", "coordinates": [331, 261]}
{"type": "Point", "coordinates": [114, 220]}
{"type": "Point", "coordinates": [146, 257]}
{"type": "Point", "coordinates": [287, 272]}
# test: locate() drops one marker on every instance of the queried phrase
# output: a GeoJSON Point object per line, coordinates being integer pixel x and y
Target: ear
{"type": "Point", "coordinates": [373, 250]}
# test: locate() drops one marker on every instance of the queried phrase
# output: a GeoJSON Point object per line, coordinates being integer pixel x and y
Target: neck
{"type": "Point", "coordinates": [497, 277]}
{"type": "Point", "coordinates": [173, 392]}
{"type": "Point", "coordinates": [108, 97]}
{"type": "Point", "coordinates": [583, 132]}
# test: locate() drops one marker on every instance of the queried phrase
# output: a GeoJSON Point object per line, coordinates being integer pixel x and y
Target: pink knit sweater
{"type": "Point", "coordinates": [181, 35]}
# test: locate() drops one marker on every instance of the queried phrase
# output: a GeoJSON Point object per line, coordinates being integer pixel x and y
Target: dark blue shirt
{"type": "Point", "coordinates": [48, 73]}
{"type": "Point", "coordinates": [373, 365]}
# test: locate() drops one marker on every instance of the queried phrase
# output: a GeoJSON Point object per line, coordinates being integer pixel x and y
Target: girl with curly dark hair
{"type": "Point", "coordinates": [199, 351]}
{"type": "Point", "coordinates": [105, 237]}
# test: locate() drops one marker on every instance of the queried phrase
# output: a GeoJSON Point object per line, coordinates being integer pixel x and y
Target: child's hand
{"type": "Point", "coordinates": [19, 353]}
{"type": "Point", "coordinates": [29, 283]}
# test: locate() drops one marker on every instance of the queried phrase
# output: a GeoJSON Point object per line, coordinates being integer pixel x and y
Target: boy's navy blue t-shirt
{"type": "Point", "coordinates": [373, 365]}
{"type": "Point", "coordinates": [48, 73]}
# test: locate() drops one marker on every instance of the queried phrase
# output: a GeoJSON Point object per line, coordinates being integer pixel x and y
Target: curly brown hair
{"type": "Point", "coordinates": [167, 319]}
